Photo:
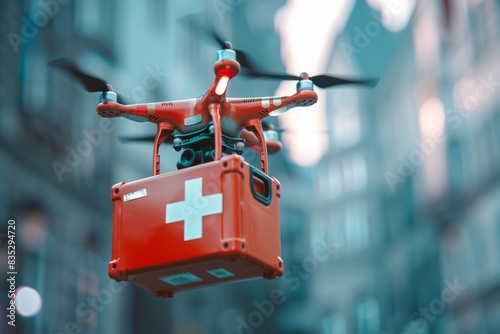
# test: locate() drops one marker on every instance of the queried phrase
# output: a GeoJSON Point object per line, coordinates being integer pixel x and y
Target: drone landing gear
{"type": "Point", "coordinates": [199, 146]}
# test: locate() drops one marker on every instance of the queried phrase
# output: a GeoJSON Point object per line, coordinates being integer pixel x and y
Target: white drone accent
{"type": "Point", "coordinates": [151, 108]}
{"type": "Point", "coordinates": [265, 103]}
{"type": "Point", "coordinates": [193, 208]}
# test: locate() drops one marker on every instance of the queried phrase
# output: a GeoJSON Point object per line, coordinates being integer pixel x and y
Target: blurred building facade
{"type": "Point", "coordinates": [59, 159]}
{"type": "Point", "coordinates": [55, 169]}
{"type": "Point", "coordinates": [409, 190]}
{"type": "Point", "coordinates": [404, 203]}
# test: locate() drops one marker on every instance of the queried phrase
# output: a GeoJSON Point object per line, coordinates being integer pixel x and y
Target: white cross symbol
{"type": "Point", "coordinates": [193, 208]}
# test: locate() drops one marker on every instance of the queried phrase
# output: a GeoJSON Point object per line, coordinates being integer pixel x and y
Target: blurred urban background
{"type": "Point", "coordinates": [390, 212]}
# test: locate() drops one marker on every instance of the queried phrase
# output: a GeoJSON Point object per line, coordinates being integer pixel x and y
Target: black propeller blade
{"type": "Point", "coordinates": [193, 23]}
{"type": "Point", "coordinates": [322, 81]}
{"type": "Point", "coordinates": [325, 81]}
{"type": "Point", "coordinates": [91, 83]}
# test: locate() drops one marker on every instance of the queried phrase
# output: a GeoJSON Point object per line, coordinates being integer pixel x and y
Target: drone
{"type": "Point", "coordinates": [215, 219]}
{"type": "Point", "coordinates": [213, 125]}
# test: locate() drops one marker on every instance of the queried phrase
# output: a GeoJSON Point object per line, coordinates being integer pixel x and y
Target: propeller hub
{"type": "Point", "coordinates": [305, 84]}
{"type": "Point", "coordinates": [226, 54]}
{"type": "Point", "coordinates": [108, 96]}
{"type": "Point", "coordinates": [271, 135]}
{"type": "Point", "coordinates": [304, 75]}
{"type": "Point", "coordinates": [228, 44]}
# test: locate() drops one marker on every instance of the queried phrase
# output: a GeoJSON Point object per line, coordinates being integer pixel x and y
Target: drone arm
{"type": "Point", "coordinates": [114, 109]}
{"type": "Point", "coordinates": [175, 112]}
{"type": "Point", "coordinates": [262, 107]}
{"type": "Point", "coordinates": [163, 132]}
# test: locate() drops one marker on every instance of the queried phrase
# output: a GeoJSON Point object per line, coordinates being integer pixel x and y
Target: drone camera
{"type": "Point", "coordinates": [192, 157]}
{"type": "Point", "coordinates": [189, 158]}
{"type": "Point", "coordinates": [210, 156]}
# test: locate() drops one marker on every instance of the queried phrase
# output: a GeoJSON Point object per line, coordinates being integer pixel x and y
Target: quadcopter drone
{"type": "Point", "coordinates": [203, 230]}
{"type": "Point", "coordinates": [212, 125]}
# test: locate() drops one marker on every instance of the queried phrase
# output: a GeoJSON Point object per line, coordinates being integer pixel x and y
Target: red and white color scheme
{"type": "Point", "coordinates": [192, 209]}
{"type": "Point", "coordinates": [204, 225]}
{"type": "Point", "coordinates": [234, 117]}
{"type": "Point", "coordinates": [216, 219]}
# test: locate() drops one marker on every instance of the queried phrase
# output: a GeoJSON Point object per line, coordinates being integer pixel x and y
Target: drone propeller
{"type": "Point", "coordinates": [192, 21]}
{"type": "Point", "coordinates": [91, 83]}
{"type": "Point", "coordinates": [322, 81]}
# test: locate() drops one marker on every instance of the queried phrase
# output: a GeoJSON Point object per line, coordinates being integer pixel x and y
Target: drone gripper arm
{"type": "Point", "coordinates": [214, 110]}
{"type": "Point", "coordinates": [255, 126]}
{"type": "Point", "coordinates": [163, 131]}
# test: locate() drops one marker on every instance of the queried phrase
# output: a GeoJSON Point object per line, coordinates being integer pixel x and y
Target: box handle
{"type": "Point", "coordinates": [260, 180]}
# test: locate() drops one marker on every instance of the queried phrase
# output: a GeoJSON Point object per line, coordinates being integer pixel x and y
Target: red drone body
{"type": "Point", "coordinates": [232, 117]}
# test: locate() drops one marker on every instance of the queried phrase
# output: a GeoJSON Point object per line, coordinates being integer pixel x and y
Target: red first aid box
{"type": "Point", "coordinates": [209, 224]}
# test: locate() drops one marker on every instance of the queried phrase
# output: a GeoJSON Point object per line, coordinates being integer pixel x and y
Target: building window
{"type": "Point", "coordinates": [346, 129]}
{"type": "Point", "coordinates": [334, 324]}
{"type": "Point", "coordinates": [338, 231]}
{"type": "Point", "coordinates": [455, 169]}
{"type": "Point", "coordinates": [368, 315]}
{"type": "Point", "coordinates": [157, 12]}
{"type": "Point", "coordinates": [355, 176]}
{"type": "Point", "coordinates": [356, 225]}
{"type": "Point", "coordinates": [35, 83]}
{"type": "Point", "coordinates": [334, 181]}
{"type": "Point", "coordinates": [88, 18]}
